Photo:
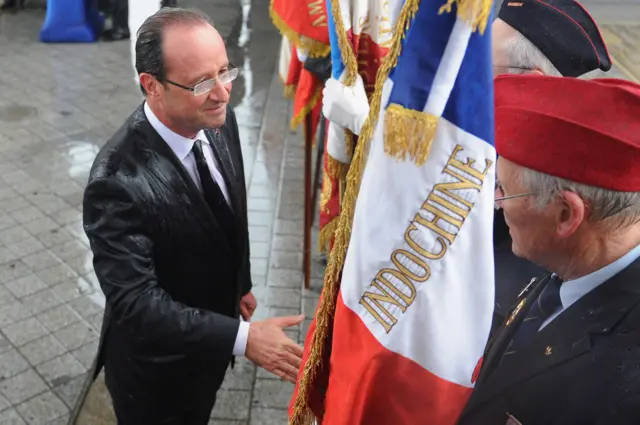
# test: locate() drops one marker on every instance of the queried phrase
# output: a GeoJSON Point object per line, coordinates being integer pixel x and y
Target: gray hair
{"type": "Point", "coordinates": [523, 54]}
{"type": "Point", "coordinates": [621, 208]}
{"type": "Point", "coordinates": [149, 56]}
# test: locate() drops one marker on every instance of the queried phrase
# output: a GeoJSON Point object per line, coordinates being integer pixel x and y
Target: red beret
{"type": "Point", "coordinates": [586, 131]}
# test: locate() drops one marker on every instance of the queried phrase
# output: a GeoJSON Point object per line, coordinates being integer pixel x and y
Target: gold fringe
{"type": "Point", "coordinates": [302, 414]}
{"type": "Point", "coordinates": [325, 193]}
{"type": "Point", "coordinates": [337, 170]}
{"type": "Point", "coordinates": [326, 233]}
{"type": "Point", "coordinates": [314, 48]}
{"type": "Point", "coordinates": [475, 12]}
{"type": "Point", "coordinates": [350, 142]}
{"type": "Point", "coordinates": [297, 119]}
{"type": "Point", "coordinates": [348, 57]}
{"type": "Point", "coordinates": [290, 91]}
{"type": "Point", "coordinates": [408, 132]}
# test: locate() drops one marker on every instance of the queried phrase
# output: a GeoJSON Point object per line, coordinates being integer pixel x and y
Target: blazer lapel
{"type": "Point", "coordinates": [496, 347]}
{"type": "Point", "coordinates": [156, 144]}
{"type": "Point", "coordinates": [566, 337]}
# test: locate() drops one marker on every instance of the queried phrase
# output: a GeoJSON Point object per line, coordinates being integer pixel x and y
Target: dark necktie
{"type": "Point", "coordinates": [544, 306]}
{"type": "Point", "coordinates": [213, 194]}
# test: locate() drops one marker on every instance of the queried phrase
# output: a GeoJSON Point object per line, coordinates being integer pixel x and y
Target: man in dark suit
{"type": "Point", "coordinates": [568, 180]}
{"type": "Point", "coordinates": [546, 37]}
{"type": "Point", "coordinates": [166, 214]}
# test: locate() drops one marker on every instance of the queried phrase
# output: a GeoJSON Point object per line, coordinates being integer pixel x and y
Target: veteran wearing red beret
{"type": "Point", "coordinates": [548, 37]}
{"type": "Point", "coordinates": [568, 180]}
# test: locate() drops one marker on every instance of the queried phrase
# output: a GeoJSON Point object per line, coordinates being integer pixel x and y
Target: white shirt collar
{"type": "Point", "coordinates": [180, 145]}
{"type": "Point", "coordinates": [572, 290]}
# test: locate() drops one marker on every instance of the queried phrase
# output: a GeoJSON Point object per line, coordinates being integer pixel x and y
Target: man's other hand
{"type": "Point", "coordinates": [269, 347]}
{"type": "Point", "coordinates": [248, 305]}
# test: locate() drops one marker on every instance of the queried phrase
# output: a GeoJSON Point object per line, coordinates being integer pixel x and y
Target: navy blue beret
{"type": "Point", "coordinates": [563, 31]}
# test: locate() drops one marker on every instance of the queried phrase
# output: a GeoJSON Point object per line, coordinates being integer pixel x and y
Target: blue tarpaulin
{"type": "Point", "coordinates": [71, 21]}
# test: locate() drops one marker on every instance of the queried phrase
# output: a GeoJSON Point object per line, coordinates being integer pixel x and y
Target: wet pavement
{"type": "Point", "coordinates": [58, 105]}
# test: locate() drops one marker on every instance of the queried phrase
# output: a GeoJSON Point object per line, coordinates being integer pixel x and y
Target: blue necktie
{"type": "Point", "coordinates": [544, 306]}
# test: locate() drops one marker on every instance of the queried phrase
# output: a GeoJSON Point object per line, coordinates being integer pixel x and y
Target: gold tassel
{"type": "Point", "coordinates": [334, 170]}
{"type": "Point", "coordinates": [302, 414]}
{"type": "Point", "coordinates": [325, 193]}
{"type": "Point", "coordinates": [350, 142]}
{"type": "Point", "coordinates": [290, 91]}
{"type": "Point", "coordinates": [326, 233]}
{"type": "Point", "coordinates": [337, 170]}
{"type": "Point", "coordinates": [408, 132]}
{"type": "Point", "coordinates": [314, 48]}
{"type": "Point", "coordinates": [475, 12]}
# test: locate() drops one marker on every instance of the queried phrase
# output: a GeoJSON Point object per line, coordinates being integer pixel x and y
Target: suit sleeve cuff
{"type": "Point", "coordinates": [240, 346]}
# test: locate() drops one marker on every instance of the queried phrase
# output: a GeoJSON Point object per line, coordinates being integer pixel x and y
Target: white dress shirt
{"type": "Point", "coordinates": [572, 290]}
{"type": "Point", "coordinates": [182, 148]}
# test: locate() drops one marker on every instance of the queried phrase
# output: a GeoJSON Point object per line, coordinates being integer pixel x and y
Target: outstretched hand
{"type": "Point", "coordinates": [269, 347]}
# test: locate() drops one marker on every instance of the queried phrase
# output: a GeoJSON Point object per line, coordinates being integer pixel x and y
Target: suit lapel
{"type": "Point", "coordinates": [518, 312]}
{"type": "Point", "coordinates": [566, 337]}
{"type": "Point", "coordinates": [157, 145]}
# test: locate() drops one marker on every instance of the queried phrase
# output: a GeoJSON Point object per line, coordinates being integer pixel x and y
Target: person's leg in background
{"type": "Point", "coordinates": [119, 13]}
{"type": "Point", "coordinates": [9, 5]}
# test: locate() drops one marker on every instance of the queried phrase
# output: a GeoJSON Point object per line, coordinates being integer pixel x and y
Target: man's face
{"type": "Point", "coordinates": [532, 230]}
{"type": "Point", "coordinates": [194, 54]}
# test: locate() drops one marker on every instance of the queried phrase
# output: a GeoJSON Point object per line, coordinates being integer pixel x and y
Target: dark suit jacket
{"type": "Point", "coordinates": [171, 279]}
{"type": "Point", "coordinates": [583, 368]}
{"type": "Point", "coordinates": [512, 273]}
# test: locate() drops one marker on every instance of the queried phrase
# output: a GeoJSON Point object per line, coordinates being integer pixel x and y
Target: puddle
{"type": "Point", "coordinates": [17, 113]}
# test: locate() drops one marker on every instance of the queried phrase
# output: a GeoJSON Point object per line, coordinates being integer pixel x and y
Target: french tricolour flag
{"type": "Point", "coordinates": [360, 34]}
{"type": "Point", "coordinates": [411, 315]}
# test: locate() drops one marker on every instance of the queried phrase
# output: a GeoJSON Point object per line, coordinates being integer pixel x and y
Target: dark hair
{"type": "Point", "coordinates": [149, 56]}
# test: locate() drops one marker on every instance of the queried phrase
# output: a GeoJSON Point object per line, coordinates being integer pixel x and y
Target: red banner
{"type": "Point", "coordinates": [304, 22]}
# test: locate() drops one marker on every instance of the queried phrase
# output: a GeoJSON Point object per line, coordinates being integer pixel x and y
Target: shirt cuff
{"type": "Point", "coordinates": [240, 346]}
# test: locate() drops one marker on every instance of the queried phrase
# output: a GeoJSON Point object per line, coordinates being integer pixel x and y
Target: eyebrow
{"type": "Point", "coordinates": [206, 77]}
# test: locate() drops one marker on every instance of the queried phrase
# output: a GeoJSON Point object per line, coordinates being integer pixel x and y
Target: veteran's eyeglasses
{"type": "Point", "coordinates": [509, 68]}
{"type": "Point", "coordinates": [208, 85]}
{"type": "Point", "coordinates": [500, 195]}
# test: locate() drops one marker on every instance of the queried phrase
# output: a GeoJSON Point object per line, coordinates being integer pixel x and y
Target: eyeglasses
{"type": "Point", "coordinates": [519, 68]}
{"type": "Point", "coordinates": [208, 85]}
{"type": "Point", "coordinates": [502, 197]}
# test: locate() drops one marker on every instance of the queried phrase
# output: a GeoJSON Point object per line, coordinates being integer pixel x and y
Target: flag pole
{"type": "Point", "coordinates": [308, 208]}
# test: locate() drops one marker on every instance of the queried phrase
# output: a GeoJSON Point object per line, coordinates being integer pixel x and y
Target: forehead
{"type": "Point", "coordinates": [507, 172]}
{"type": "Point", "coordinates": [501, 32]}
{"type": "Point", "coordinates": [193, 49]}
